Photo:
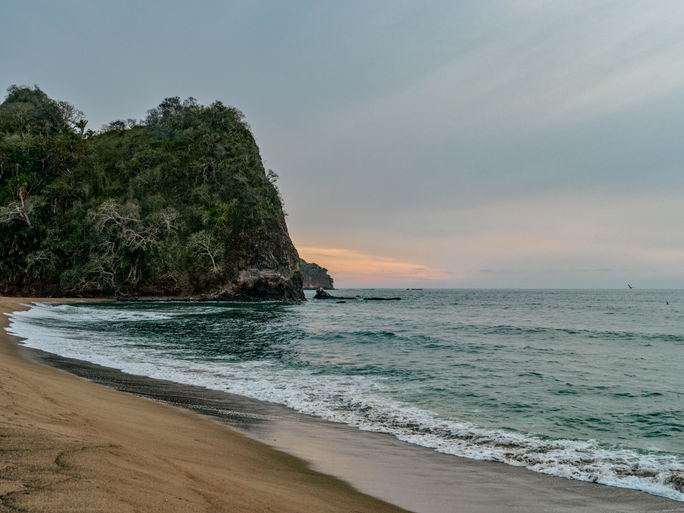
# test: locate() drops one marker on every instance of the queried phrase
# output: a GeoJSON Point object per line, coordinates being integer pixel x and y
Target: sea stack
{"type": "Point", "coordinates": [314, 276]}
{"type": "Point", "coordinates": [177, 205]}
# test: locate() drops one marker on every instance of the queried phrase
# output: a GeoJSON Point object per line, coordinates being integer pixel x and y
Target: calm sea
{"type": "Point", "coordinates": [581, 384]}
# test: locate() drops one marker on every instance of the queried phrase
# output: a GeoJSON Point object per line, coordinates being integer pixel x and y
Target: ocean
{"type": "Point", "coordinates": [584, 384]}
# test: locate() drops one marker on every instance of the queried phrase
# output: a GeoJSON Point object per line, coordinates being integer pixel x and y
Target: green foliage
{"type": "Point", "coordinates": [27, 110]}
{"type": "Point", "coordinates": [315, 276]}
{"type": "Point", "coordinates": [167, 205]}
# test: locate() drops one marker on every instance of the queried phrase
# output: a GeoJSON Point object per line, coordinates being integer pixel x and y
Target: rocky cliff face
{"type": "Point", "coordinates": [268, 268]}
{"type": "Point", "coordinates": [176, 205]}
{"type": "Point", "coordinates": [314, 276]}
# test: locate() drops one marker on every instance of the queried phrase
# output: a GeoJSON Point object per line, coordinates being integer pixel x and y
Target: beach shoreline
{"type": "Point", "coordinates": [71, 445]}
{"type": "Point", "coordinates": [414, 477]}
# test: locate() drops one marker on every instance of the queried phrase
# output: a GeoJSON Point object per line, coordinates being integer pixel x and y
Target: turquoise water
{"type": "Point", "coordinates": [582, 384]}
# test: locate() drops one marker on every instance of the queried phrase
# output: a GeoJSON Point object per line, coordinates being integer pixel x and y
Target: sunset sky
{"type": "Point", "coordinates": [419, 144]}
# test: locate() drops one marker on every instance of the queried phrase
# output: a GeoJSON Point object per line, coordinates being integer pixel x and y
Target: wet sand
{"type": "Point", "coordinates": [413, 477]}
{"type": "Point", "coordinates": [67, 445]}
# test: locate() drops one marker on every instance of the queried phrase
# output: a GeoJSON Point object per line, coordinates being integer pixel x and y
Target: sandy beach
{"type": "Point", "coordinates": [73, 445]}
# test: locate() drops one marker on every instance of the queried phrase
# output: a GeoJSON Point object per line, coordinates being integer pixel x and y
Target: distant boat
{"type": "Point", "coordinates": [629, 286]}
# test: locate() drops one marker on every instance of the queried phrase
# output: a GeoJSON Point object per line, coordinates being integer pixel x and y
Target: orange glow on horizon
{"type": "Point", "coordinates": [347, 264]}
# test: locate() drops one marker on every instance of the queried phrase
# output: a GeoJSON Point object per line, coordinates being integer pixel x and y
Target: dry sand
{"type": "Point", "coordinates": [68, 445]}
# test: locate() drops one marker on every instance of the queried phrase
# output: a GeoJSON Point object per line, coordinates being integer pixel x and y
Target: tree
{"type": "Point", "coordinates": [136, 207]}
{"type": "Point", "coordinates": [206, 245]}
{"type": "Point", "coordinates": [81, 124]}
{"type": "Point", "coordinates": [73, 117]}
{"type": "Point", "coordinates": [18, 209]}
{"type": "Point", "coordinates": [19, 188]}
{"type": "Point", "coordinates": [31, 111]}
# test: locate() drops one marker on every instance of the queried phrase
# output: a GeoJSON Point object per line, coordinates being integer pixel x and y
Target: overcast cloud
{"type": "Point", "coordinates": [461, 144]}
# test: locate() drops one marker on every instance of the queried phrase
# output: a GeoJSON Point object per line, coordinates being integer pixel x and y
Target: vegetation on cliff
{"type": "Point", "coordinates": [178, 204]}
{"type": "Point", "coordinates": [314, 276]}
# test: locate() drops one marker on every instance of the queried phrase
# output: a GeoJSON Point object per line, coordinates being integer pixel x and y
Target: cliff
{"type": "Point", "coordinates": [314, 276]}
{"type": "Point", "coordinates": [176, 205]}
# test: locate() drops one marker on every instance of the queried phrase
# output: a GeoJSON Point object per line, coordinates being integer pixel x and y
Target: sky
{"type": "Point", "coordinates": [512, 144]}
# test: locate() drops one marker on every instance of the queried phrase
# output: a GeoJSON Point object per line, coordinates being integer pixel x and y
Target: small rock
{"type": "Point", "coordinates": [322, 294]}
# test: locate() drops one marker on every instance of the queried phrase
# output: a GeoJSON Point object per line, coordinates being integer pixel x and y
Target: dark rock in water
{"type": "Point", "coordinates": [284, 283]}
{"type": "Point", "coordinates": [339, 302]}
{"type": "Point", "coordinates": [322, 294]}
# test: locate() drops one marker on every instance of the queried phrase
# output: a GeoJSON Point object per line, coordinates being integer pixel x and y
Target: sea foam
{"type": "Point", "coordinates": [356, 400]}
